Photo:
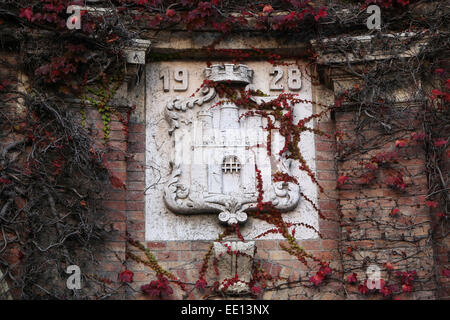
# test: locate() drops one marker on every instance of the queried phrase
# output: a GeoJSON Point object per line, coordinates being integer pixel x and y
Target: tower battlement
{"type": "Point", "coordinates": [229, 72]}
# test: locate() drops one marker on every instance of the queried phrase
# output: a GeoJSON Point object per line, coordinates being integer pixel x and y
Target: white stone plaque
{"type": "Point", "coordinates": [202, 155]}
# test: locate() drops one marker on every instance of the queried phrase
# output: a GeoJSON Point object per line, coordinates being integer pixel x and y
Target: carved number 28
{"type": "Point", "coordinates": [294, 79]}
{"type": "Point", "coordinates": [181, 77]}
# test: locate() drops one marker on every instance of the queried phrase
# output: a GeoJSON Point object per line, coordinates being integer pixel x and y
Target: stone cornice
{"type": "Point", "coordinates": [342, 50]}
{"type": "Point", "coordinates": [135, 53]}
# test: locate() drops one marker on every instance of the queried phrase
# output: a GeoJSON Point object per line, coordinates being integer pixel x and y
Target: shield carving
{"type": "Point", "coordinates": [220, 162]}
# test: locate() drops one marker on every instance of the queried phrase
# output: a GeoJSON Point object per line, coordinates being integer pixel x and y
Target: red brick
{"type": "Point", "coordinates": [156, 245]}
{"type": "Point", "coordinates": [117, 196]}
{"type": "Point", "coordinates": [200, 245]}
{"type": "Point", "coordinates": [275, 270]}
{"type": "Point", "coordinates": [122, 175]}
{"type": "Point", "coordinates": [115, 156]}
{"type": "Point", "coordinates": [117, 135]}
{"type": "Point", "coordinates": [330, 244]}
{"type": "Point", "coordinates": [117, 165]}
{"type": "Point", "coordinates": [186, 255]}
{"type": "Point", "coordinates": [136, 215]}
{"type": "Point", "coordinates": [135, 205]}
{"type": "Point", "coordinates": [136, 147]}
{"type": "Point", "coordinates": [136, 186]}
{"type": "Point", "coordinates": [118, 145]}
{"type": "Point", "coordinates": [117, 216]}
{"type": "Point", "coordinates": [135, 176]}
{"type": "Point", "coordinates": [167, 256]}
{"type": "Point", "coordinates": [266, 244]}
{"type": "Point", "coordinates": [179, 245]}
{"type": "Point", "coordinates": [120, 226]}
{"type": "Point", "coordinates": [327, 175]}
{"type": "Point", "coordinates": [135, 196]}
{"type": "Point", "coordinates": [327, 204]}
{"type": "Point", "coordinates": [136, 137]}
{"type": "Point", "coordinates": [115, 205]}
{"type": "Point", "coordinates": [116, 125]}
{"type": "Point", "coordinates": [310, 244]}
{"type": "Point", "coordinates": [136, 127]}
{"type": "Point", "coordinates": [135, 166]}
{"type": "Point", "coordinates": [324, 146]}
{"type": "Point", "coordinates": [136, 226]}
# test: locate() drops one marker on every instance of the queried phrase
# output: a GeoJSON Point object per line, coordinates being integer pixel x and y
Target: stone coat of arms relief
{"type": "Point", "coordinates": [217, 152]}
{"type": "Point", "coordinates": [204, 155]}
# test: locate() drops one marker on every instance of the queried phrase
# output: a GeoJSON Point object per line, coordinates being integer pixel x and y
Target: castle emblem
{"type": "Point", "coordinates": [217, 152]}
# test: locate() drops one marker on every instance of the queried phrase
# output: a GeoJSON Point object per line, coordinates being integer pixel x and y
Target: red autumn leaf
{"type": "Point", "coordinates": [126, 276]}
{"type": "Point", "coordinates": [431, 204]}
{"type": "Point", "coordinates": [26, 13]}
{"type": "Point", "coordinates": [158, 288]}
{"type": "Point", "coordinates": [267, 8]}
{"type": "Point", "coordinates": [322, 14]}
{"type": "Point", "coordinates": [4, 181]}
{"type": "Point", "coordinates": [325, 269]}
{"type": "Point", "coordinates": [396, 181]}
{"type": "Point", "coordinates": [112, 39]}
{"type": "Point", "coordinates": [155, 21]}
{"type": "Point", "coordinates": [256, 290]}
{"type": "Point", "coordinates": [342, 179]}
{"type": "Point", "coordinates": [170, 12]}
{"type": "Point", "coordinates": [290, 16]}
{"type": "Point", "coordinates": [317, 278]}
{"type": "Point", "coordinates": [221, 27]}
{"type": "Point", "coordinates": [116, 182]}
{"type": "Point", "coordinates": [201, 284]}
{"type": "Point", "coordinates": [418, 136]}
{"type": "Point", "coordinates": [446, 273]}
{"type": "Point", "coordinates": [363, 288]}
{"type": "Point", "coordinates": [436, 93]}
{"type": "Point", "coordinates": [394, 212]}
{"type": "Point", "coordinates": [389, 266]}
{"type": "Point", "coordinates": [403, 2]}
{"type": "Point", "coordinates": [407, 288]}
{"type": "Point", "coordinates": [440, 142]}
{"type": "Point", "coordinates": [386, 291]}
{"type": "Point", "coordinates": [400, 143]}
{"type": "Point", "coordinates": [353, 278]}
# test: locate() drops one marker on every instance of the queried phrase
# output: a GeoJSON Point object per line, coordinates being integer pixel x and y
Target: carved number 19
{"type": "Point", "coordinates": [181, 77]}
{"type": "Point", "coordinates": [294, 79]}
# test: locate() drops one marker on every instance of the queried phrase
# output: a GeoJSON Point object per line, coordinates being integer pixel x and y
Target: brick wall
{"type": "Point", "coordinates": [359, 232]}
{"type": "Point", "coordinates": [369, 233]}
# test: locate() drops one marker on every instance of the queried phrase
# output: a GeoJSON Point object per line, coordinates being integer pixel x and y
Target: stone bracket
{"type": "Point", "coordinates": [135, 57]}
{"type": "Point", "coordinates": [235, 258]}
